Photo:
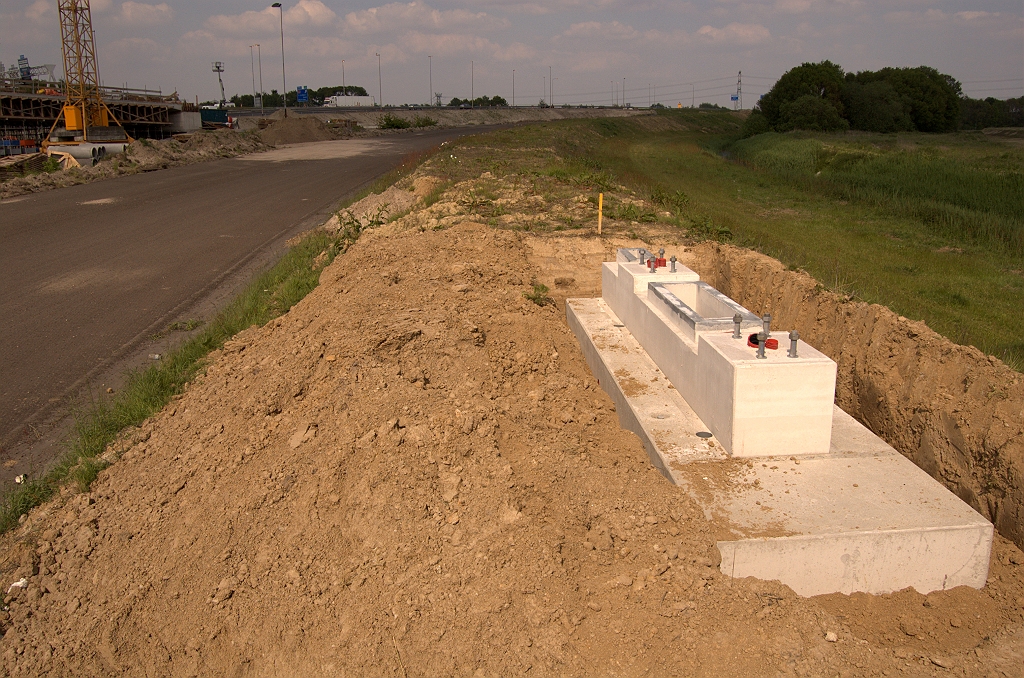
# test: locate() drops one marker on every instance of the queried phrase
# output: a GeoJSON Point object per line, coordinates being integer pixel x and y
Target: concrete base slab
{"type": "Point", "coordinates": [860, 518]}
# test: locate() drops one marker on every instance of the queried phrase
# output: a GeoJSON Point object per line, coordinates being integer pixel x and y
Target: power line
{"type": "Point", "coordinates": [969, 82]}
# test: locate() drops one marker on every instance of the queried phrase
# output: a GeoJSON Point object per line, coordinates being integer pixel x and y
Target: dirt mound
{"type": "Point", "coordinates": [414, 473]}
{"type": "Point", "coordinates": [296, 129]}
{"type": "Point", "coordinates": [144, 155]}
{"type": "Point", "coordinates": [954, 411]}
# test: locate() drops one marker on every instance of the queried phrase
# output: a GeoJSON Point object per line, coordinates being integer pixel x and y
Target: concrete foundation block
{"type": "Point", "coordinates": [856, 517]}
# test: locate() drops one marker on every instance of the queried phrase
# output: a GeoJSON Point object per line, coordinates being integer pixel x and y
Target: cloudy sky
{"type": "Point", "coordinates": [684, 50]}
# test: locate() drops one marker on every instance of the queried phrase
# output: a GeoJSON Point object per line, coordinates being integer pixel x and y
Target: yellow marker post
{"type": "Point", "coordinates": [600, 211]}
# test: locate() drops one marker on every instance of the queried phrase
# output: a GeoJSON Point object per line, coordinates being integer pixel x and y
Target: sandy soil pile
{"type": "Point", "coordinates": [954, 411]}
{"type": "Point", "coordinates": [296, 129]}
{"type": "Point", "coordinates": [414, 473]}
{"type": "Point", "coordinates": [144, 155]}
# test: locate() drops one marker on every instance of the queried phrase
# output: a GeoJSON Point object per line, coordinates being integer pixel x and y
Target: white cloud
{"type": "Point", "coordinates": [40, 10]}
{"type": "Point", "coordinates": [971, 16]}
{"type": "Point", "coordinates": [608, 31]}
{"type": "Point", "coordinates": [399, 16]}
{"type": "Point", "coordinates": [141, 14]}
{"type": "Point", "coordinates": [735, 33]}
{"type": "Point", "coordinates": [306, 13]}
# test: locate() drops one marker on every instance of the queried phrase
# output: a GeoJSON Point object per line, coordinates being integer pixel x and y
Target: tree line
{"type": "Point", "coordinates": [317, 97]}
{"type": "Point", "coordinates": [822, 97]}
{"type": "Point", "coordinates": [479, 102]}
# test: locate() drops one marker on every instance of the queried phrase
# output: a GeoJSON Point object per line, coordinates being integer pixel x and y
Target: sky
{"type": "Point", "coordinates": [672, 52]}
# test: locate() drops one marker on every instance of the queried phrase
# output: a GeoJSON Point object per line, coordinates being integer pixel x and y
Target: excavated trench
{"type": "Point", "coordinates": [954, 411]}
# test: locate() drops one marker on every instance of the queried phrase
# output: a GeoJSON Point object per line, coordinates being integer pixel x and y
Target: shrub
{"type": "Point", "coordinates": [423, 121]}
{"type": "Point", "coordinates": [389, 121]}
{"type": "Point", "coordinates": [756, 123]}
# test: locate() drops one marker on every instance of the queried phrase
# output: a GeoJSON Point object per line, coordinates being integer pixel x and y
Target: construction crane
{"type": "Point", "coordinates": [218, 68]}
{"type": "Point", "coordinates": [85, 116]}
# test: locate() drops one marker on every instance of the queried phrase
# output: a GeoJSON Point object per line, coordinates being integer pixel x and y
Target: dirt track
{"type": "Point", "coordinates": [414, 473]}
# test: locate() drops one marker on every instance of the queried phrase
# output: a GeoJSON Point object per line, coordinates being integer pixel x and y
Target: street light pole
{"type": "Point", "coordinates": [259, 60]}
{"type": "Point", "coordinates": [344, 90]}
{"type": "Point", "coordinates": [472, 87]}
{"type": "Point", "coordinates": [380, 85]}
{"type": "Point", "coordinates": [551, 87]}
{"type": "Point", "coordinates": [252, 65]}
{"type": "Point", "coordinates": [430, 99]}
{"type": "Point", "coordinates": [284, 79]}
{"type": "Point", "coordinates": [513, 88]}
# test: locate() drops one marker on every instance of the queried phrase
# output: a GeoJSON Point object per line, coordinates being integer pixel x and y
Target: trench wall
{"type": "Point", "coordinates": [954, 411]}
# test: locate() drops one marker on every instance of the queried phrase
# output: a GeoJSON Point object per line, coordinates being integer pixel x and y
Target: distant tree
{"type": "Point", "coordinates": [321, 94]}
{"type": "Point", "coordinates": [811, 112]}
{"type": "Point", "coordinates": [712, 107]}
{"type": "Point", "coordinates": [991, 112]}
{"type": "Point", "coordinates": [822, 80]}
{"type": "Point", "coordinates": [876, 106]}
{"type": "Point", "coordinates": [932, 98]}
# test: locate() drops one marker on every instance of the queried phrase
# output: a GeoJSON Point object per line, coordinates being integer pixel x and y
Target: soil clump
{"type": "Point", "coordinates": [296, 129]}
{"type": "Point", "coordinates": [143, 155]}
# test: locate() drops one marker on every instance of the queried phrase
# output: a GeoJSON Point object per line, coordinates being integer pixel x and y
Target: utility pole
{"type": "Point", "coordinates": [551, 87]}
{"type": "Point", "coordinates": [623, 92]}
{"type": "Point", "coordinates": [544, 84]}
{"type": "Point", "coordinates": [344, 90]}
{"type": "Point", "coordinates": [252, 65]}
{"type": "Point", "coordinates": [472, 91]}
{"type": "Point", "coordinates": [284, 79]}
{"type": "Point", "coordinates": [513, 88]}
{"type": "Point", "coordinates": [259, 60]}
{"type": "Point", "coordinates": [693, 100]}
{"type": "Point", "coordinates": [430, 64]}
{"type": "Point", "coordinates": [739, 90]}
{"type": "Point", "coordinates": [380, 86]}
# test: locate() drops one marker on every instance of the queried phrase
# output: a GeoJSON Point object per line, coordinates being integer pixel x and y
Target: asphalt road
{"type": "Point", "coordinates": [88, 273]}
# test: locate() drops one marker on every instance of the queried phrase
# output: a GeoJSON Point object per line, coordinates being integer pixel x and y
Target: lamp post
{"type": "Point", "coordinates": [472, 85]}
{"type": "Point", "coordinates": [551, 86]}
{"type": "Point", "coordinates": [430, 63]}
{"type": "Point", "coordinates": [513, 88]}
{"type": "Point", "coordinates": [252, 65]}
{"type": "Point", "coordinates": [344, 91]}
{"type": "Point", "coordinates": [259, 60]}
{"type": "Point", "coordinates": [380, 86]}
{"type": "Point", "coordinates": [284, 79]}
